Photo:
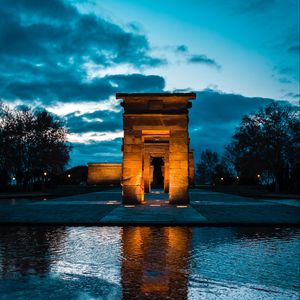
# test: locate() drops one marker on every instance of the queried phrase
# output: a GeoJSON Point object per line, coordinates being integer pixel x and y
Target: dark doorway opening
{"type": "Point", "coordinates": [158, 176]}
{"type": "Point", "coordinates": [157, 196]}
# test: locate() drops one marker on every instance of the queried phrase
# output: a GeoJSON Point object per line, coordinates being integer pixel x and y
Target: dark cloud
{"type": "Point", "coordinates": [215, 115]}
{"type": "Point", "coordinates": [284, 80]}
{"type": "Point", "coordinates": [287, 73]}
{"type": "Point", "coordinates": [46, 46]}
{"type": "Point", "coordinates": [182, 49]}
{"type": "Point", "coordinates": [294, 49]}
{"type": "Point", "coordinates": [292, 95]}
{"type": "Point", "coordinates": [137, 82]}
{"type": "Point", "coordinates": [285, 70]}
{"type": "Point", "coordinates": [102, 147]}
{"type": "Point", "coordinates": [196, 58]}
{"type": "Point", "coordinates": [216, 107]}
{"type": "Point", "coordinates": [213, 119]}
{"type": "Point", "coordinates": [203, 59]}
{"type": "Point", "coordinates": [53, 27]}
{"type": "Point", "coordinates": [69, 89]}
{"type": "Point", "coordinates": [108, 151]}
{"type": "Point", "coordinates": [255, 6]}
{"type": "Point", "coordinates": [98, 121]}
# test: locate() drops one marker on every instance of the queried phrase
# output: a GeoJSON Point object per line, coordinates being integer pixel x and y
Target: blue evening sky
{"type": "Point", "coordinates": [72, 56]}
{"type": "Point", "coordinates": [256, 42]}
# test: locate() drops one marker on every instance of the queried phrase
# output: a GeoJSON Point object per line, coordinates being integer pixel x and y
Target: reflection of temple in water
{"type": "Point", "coordinates": [155, 262]}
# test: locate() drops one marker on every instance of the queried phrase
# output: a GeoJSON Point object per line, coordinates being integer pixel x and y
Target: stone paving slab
{"type": "Point", "coordinates": [249, 214]}
{"type": "Point", "coordinates": [76, 202]}
{"type": "Point", "coordinates": [233, 203]}
{"type": "Point", "coordinates": [214, 196]}
{"type": "Point", "coordinates": [159, 215]}
{"type": "Point", "coordinates": [104, 208]}
{"type": "Point", "coordinates": [292, 202]}
{"type": "Point", "coordinates": [114, 194]}
{"type": "Point", "coordinates": [62, 214]}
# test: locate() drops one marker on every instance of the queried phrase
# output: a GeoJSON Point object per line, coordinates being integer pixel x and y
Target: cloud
{"type": "Point", "coordinates": [254, 6]}
{"type": "Point", "coordinates": [66, 89]}
{"type": "Point", "coordinates": [105, 151]}
{"type": "Point", "coordinates": [214, 117]}
{"type": "Point", "coordinates": [92, 136]}
{"type": "Point", "coordinates": [57, 28]}
{"type": "Point", "coordinates": [294, 49]}
{"type": "Point", "coordinates": [46, 46]}
{"type": "Point", "coordinates": [215, 107]}
{"type": "Point", "coordinates": [51, 54]}
{"type": "Point", "coordinates": [292, 95]}
{"type": "Point", "coordinates": [80, 108]}
{"type": "Point", "coordinates": [287, 73]}
{"type": "Point", "coordinates": [137, 82]}
{"type": "Point", "coordinates": [284, 80]}
{"type": "Point", "coordinates": [195, 58]}
{"type": "Point", "coordinates": [182, 49]}
{"type": "Point", "coordinates": [212, 122]}
{"type": "Point", "coordinates": [203, 59]}
{"type": "Point", "coordinates": [98, 121]}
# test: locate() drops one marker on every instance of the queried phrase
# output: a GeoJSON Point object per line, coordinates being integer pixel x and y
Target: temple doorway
{"type": "Point", "coordinates": [157, 193]}
{"type": "Point", "coordinates": [157, 170]}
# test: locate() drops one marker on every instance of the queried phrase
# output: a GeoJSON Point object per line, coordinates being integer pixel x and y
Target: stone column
{"type": "Point", "coordinates": [132, 177]}
{"type": "Point", "coordinates": [151, 176]}
{"type": "Point", "coordinates": [166, 175]}
{"type": "Point", "coordinates": [147, 172]}
{"type": "Point", "coordinates": [191, 169]}
{"type": "Point", "coordinates": [178, 167]}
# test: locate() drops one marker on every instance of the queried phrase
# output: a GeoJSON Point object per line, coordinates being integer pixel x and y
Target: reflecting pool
{"type": "Point", "coordinates": [149, 263]}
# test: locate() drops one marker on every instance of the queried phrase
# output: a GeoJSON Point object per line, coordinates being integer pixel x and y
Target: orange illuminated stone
{"type": "Point", "coordinates": [104, 173]}
{"type": "Point", "coordinates": [156, 145]}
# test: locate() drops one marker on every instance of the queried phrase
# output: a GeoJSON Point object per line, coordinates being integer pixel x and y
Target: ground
{"type": "Point", "coordinates": [105, 208]}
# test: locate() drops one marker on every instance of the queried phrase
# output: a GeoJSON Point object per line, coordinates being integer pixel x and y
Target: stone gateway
{"type": "Point", "coordinates": [156, 146]}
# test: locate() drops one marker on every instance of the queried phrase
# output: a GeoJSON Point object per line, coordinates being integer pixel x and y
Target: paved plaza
{"type": "Point", "coordinates": [105, 208]}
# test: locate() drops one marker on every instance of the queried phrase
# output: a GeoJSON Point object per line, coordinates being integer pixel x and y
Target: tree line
{"type": "Point", "coordinates": [33, 147]}
{"type": "Point", "coordinates": [265, 149]}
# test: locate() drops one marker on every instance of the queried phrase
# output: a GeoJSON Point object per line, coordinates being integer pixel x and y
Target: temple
{"type": "Point", "coordinates": [156, 150]}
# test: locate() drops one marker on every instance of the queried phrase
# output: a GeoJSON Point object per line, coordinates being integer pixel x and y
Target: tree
{"type": "Point", "coordinates": [206, 167]}
{"type": "Point", "coordinates": [267, 142]}
{"type": "Point", "coordinates": [33, 145]}
{"type": "Point", "coordinates": [212, 169]}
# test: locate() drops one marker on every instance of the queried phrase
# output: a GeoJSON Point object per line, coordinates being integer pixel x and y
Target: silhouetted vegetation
{"type": "Point", "coordinates": [74, 176]}
{"type": "Point", "coordinates": [265, 149]}
{"type": "Point", "coordinates": [33, 147]}
{"type": "Point", "coordinates": [213, 169]}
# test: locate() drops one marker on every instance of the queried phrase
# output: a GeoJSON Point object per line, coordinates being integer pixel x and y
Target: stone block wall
{"type": "Point", "coordinates": [104, 173]}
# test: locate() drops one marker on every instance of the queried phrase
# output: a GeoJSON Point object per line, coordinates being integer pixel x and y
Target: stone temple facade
{"type": "Point", "coordinates": [155, 147]}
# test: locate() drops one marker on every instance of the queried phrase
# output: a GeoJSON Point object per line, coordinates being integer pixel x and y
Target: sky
{"type": "Point", "coordinates": [71, 57]}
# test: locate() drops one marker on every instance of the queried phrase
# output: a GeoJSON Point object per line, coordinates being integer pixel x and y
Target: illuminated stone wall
{"type": "Point", "coordinates": [157, 121]}
{"type": "Point", "coordinates": [191, 169]}
{"type": "Point", "coordinates": [104, 173]}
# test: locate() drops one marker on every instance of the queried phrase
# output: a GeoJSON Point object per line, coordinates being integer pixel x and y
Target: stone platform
{"type": "Point", "coordinates": [105, 209]}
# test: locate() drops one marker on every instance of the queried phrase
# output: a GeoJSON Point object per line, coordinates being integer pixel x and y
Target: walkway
{"type": "Point", "coordinates": [105, 208]}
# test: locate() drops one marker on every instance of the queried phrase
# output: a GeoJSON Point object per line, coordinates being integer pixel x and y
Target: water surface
{"type": "Point", "coordinates": [149, 263]}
